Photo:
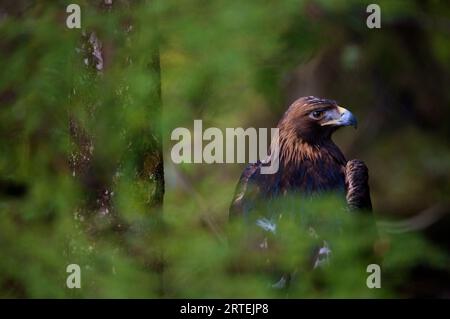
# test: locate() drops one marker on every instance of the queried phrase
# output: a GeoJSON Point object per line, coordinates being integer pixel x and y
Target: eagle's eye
{"type": "Point", "coordinates": [316, 114]}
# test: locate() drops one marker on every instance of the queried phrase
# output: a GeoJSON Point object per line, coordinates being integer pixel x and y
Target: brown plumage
{"type": "Point", "coordinates": [357, 187]}
{"type": "Point", "coordinates": [310, 162]}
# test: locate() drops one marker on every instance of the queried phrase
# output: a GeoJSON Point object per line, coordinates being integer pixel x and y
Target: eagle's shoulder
{"type": "Point", "coordinates": [246, 190]}
{"type": "Point", "coordinates": [357, 185]}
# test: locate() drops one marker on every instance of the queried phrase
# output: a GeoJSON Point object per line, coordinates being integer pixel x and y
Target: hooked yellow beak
{"type": "Point", "coordinates": [342, 117]}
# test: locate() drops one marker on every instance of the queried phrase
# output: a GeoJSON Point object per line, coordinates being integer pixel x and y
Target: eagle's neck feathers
{"type": "Point", "coordinates": [294, 151]}
{"type": "Point", "coordinates": [305, 166]}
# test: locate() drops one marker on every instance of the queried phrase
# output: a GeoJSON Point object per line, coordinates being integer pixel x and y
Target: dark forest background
{"type": "Point", "coordinates": [86, 115]}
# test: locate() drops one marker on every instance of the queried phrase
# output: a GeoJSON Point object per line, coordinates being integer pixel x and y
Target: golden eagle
{"type": "Point", "coordinates": [309, 164]}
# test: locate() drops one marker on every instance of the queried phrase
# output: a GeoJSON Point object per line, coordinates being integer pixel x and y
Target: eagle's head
{"type": "Point", "coordinates": [313, 120]}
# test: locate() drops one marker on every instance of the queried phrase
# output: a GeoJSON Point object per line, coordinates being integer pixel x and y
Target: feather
{"type": "Point", "coordinates": [357, 185]}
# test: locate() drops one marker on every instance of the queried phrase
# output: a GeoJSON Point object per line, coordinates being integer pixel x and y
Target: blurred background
{"type": "Point", "coordinates": [85, 121]}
